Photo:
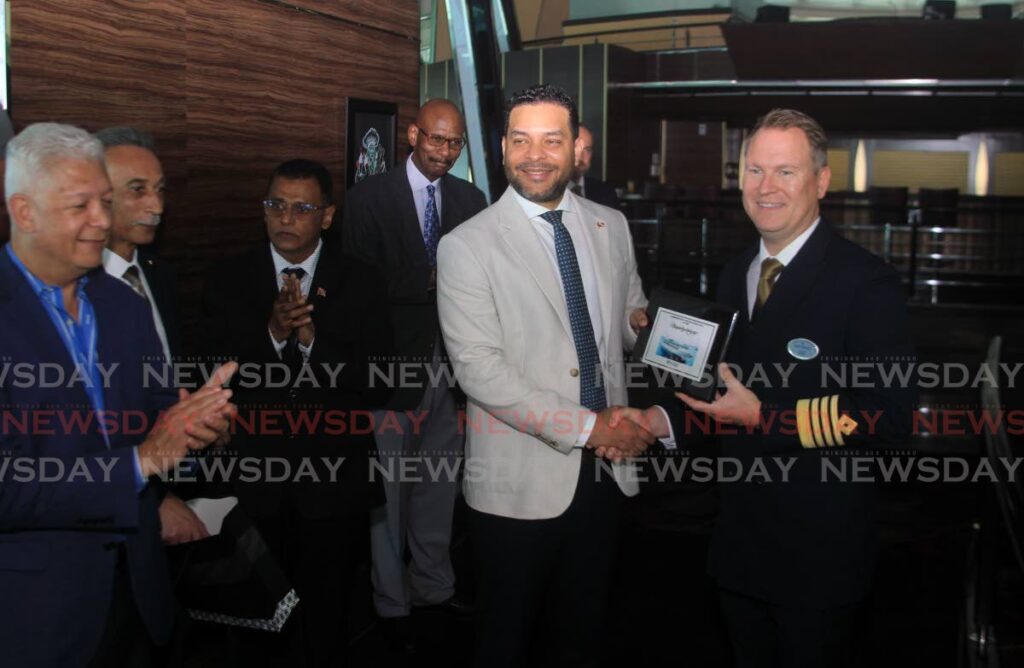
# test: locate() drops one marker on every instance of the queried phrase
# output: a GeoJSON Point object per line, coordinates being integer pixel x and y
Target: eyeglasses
{"type": "Point", "coordinates": [278, 208]}
{"type": "Point", "coordinates": [437, 141]}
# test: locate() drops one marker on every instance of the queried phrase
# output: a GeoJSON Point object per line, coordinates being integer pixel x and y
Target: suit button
{"type": "Point", "coordinates": [574, 372]}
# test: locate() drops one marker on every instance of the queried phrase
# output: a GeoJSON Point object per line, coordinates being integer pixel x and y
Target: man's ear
{"type": "Point", "coordinates": [328, 217]}
{"type": "Point", "coordinates": [412, 134]}
{"type": "Point", "coordinates": [577, 151]}
{"type": "Point", "coordinates": [824, 178]}
{"type": "Point", "coordinates": [22, 214]}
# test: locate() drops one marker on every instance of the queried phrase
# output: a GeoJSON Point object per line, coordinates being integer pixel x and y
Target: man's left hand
{"type": "Point", "coordinates": [638, 319]}
{"type": "Point", "coordinates": [305, 331]}
{"type": "Point", "coordinates": [737, 406]}
{"type": "Point", "coordinates": [178, 524]}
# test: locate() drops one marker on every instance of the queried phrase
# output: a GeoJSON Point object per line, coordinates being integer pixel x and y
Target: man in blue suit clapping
{"type": "Point", "coordinates": [81, 564]}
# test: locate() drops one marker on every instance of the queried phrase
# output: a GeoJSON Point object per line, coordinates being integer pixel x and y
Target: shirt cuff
{"type": "Point", "coordinates": [140, 479]}
{"type": "Point", "coordinates": [588, 426]}
{"type": "Point", "coordinates": [669, 442]}
{"type": "Point", "coordinates": [278, 345]}
{"type": "Point", "coordinates": [306, 350]}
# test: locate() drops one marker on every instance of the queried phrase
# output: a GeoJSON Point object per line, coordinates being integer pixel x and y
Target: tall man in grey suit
{"type": "Point", "coordinates": [137, 206]}
{"type": "Point", "coordinates": [394, 221]}
{"type": "Point", "coordinates": [538, 297]}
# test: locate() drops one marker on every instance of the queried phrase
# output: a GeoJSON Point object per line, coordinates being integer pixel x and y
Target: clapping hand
{"type": "Point", "coordinates": [196, 421]}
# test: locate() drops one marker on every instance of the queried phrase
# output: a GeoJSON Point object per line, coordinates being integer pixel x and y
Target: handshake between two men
{"type": "Point", "coordinates": [622, 432]}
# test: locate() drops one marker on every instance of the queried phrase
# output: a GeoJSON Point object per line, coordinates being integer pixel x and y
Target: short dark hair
{"type": "Point", "coordinates": [785, 119]}
{"type": "Point", "coordinates": [544, 93]}
{"type": "Point", "coordinates": [306, 169]}
{"type": "Point", "coordinates": [125, 136]}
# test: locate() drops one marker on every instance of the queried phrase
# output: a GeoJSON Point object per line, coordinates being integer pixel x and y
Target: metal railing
{"type": "Point", "coordinates": [979, 259]}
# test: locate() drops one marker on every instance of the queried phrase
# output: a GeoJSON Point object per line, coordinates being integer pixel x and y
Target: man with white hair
{"type": "Point", "coordinates": [82, 569]}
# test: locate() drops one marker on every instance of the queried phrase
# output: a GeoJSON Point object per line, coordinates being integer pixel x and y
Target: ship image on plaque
{"type": "Point", "coordinates": [687, 338]}
{"type": "Point", "coordinates": [680, 343]}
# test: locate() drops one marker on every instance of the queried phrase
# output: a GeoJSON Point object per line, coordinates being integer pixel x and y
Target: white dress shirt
{"type": "Point", "coordinates": [584, 258]}
{"type": "Point", "coordinates": [309, 265]}
{"type": "Point", "coordinates": [115, 265]}
{"type": "Point", "coordinates": [419, 184]}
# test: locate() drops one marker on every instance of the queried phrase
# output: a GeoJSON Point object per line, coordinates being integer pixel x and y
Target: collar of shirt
{"type": "Point", "coordinates": [534, 210]}
{"type": "Point", "coordinates": [309, 264]}
{"type": "Point", "coordinates": [787, 254]}
{"type": "Point", "coordinates": [79, 337]}
{"type": "Point", "coordinates": [115, 265]}
{"type": "Point", "coordinates": [417, 181]}
{"type": "Point", "coordinates": [49, 293]}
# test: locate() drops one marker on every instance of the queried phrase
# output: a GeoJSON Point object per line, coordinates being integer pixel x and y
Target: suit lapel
{"type": "Point", "coordinates": [797, 278]}
{"type": "Point", "coordinates": [596, 231]}
{"type": "Point", "coordinates": [264, 281]}
{"type": "Point", "coordinates": [37, 324]}
{"type": "Point", "coordinates": [519, 235]}
{"type": "Point", "coordinates": [325, 278]}
{"type": "Point", "coordinates": [406, 217]}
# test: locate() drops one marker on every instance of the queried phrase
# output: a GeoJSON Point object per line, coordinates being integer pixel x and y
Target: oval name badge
{"type": "Point", "coordinates": [803, 349]}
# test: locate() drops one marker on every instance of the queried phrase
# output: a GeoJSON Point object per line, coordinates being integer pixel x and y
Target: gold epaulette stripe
{"type": "Point", "coordinates": [819, 423]}
{"type": "Point", "coordinates": [826, 422]}
{"type": "Point", "coordinates": [803, 423]}
{"type": "Point", "coordinates": [819, 442]}
{"type": "Point", "coordinates": [834, 419]}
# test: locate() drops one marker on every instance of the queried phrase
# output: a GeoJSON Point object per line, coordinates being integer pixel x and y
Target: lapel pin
{"type": "Point", "coordinates": [320, 292]}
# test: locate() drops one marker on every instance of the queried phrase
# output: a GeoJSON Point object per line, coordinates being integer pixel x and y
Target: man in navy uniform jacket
{"type": "Point", "coordinates": [793, 558]}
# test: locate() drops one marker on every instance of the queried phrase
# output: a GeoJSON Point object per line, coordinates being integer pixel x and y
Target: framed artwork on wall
{"type": "Point", "coordinates": [372, 139]}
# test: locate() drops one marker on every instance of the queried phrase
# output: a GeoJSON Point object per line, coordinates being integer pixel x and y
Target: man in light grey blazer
{"type": "Point", "coordinates": [538, 297]}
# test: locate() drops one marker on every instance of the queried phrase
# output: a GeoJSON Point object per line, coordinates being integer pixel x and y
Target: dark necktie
{"type": "Point", "coordinates": [591, 380]}
{"type": "Point", "coordinates": [431, 228]}
{"type": "Point", "coordinates": [770, 270]}
{"type": "Point", "coordinates": [131, 274]}
{"type": "Point", "coordinates": [291, 355]}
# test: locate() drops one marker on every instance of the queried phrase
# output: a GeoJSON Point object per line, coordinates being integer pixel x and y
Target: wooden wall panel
{"type": "Point", "coordinates": [228, 88]}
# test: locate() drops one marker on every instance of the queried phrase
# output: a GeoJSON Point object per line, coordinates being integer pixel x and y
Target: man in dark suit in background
{"type": "Point", "coordinates": [794, 556]}
{"type": "Point", "coordinates": [297, 302]}
{"type": "Point", "coordinates": [589, 187]}
{"type": "Point", "coordinates": [82, 569]}
{"type": "Point", "coordinates": [394, 221]}
{"type": "Point", "coordinates": [136, 211]}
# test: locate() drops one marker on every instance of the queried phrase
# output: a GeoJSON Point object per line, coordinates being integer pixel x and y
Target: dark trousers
{"type": "Point", "coordinates": [319, 556]}
{"type": "Point", "coordinates": [125, 641]}
{"type": "Point", "coordinates": [765, 635]}
{"type": "Point", "coordinates": [552, 572]}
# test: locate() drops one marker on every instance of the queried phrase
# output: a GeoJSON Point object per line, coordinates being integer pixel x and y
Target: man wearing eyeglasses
{"type": "Point", "coordinates": [394, 221]}
{"type": "Point", "coordinates": [307, 320]}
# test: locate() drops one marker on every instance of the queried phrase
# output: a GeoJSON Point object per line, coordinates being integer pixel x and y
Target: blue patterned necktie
{"type": "Point", "coordinates": [591, 380]}
{"type": "Point", "coordinates": [431, 228]}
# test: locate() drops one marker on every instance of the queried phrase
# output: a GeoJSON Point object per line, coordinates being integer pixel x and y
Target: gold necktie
{"type": "Point", "coordinates": [770, 269]}
{"type": "Point", "coordinates": [131, 274]}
